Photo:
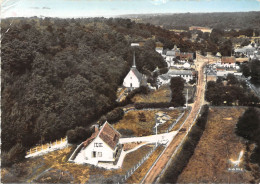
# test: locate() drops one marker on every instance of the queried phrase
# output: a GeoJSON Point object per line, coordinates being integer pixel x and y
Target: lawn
{"type": "Point", "coordinates": [163, 94]}
{"type": "Point", "coordinates": [131, 121]}
{"type": "Point", "coordinates": [218, 144]}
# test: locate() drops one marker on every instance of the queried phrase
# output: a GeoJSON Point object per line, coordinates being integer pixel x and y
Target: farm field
{"type": "Point", "coordinates": [218, 144]}
{"type": "Point", "coordinates": [131, 122]}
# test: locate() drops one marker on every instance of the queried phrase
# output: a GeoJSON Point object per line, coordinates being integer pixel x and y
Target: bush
{"type": "Point", "coordinates": [115, 115]}
{"type": "Point", "coordinates": [79, 134]}
{"type": "Point", "coordinates": [15, 154]}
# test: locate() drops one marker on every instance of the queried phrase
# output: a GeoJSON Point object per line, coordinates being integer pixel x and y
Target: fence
{"type": "Point", "coordinates": [175, 122]}
{"type": "Point", "coordinates": [45, 148]}
{"type": "Point", "coordinates": [131, 171]}
{"type": "Point", "coordinates": [179, 146]}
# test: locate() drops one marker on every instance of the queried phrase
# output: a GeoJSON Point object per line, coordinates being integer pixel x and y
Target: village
{"type": "Point", "coordinates": [107, 148]}
{"type": "Point", "coordinates": [130, 92]}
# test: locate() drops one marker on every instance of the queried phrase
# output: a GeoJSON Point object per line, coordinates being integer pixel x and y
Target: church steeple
{"type": "Point", "coordinates": [134, 66]}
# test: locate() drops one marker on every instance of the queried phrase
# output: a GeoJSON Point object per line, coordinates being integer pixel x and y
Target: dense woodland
{"type": "Point", "coordinates": [58, 74]}
{"type": "Point", "coordinates": [226, 20]}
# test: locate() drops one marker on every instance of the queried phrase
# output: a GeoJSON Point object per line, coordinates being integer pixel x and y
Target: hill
{"type": "Point", "coordinates": [58, 74]}
{"type": "Point", "coordinates": [226, 20]}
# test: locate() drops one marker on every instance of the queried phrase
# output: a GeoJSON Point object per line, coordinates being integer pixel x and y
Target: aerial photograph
{"type": "Point", "coordinates": [130, 91]}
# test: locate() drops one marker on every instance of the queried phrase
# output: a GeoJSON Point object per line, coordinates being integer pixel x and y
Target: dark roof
{"type": "Point", "coordinates": [90, 139]}
{"type": "Point", "coordinates": [180, 72]}
{"type": "Point", "coordinates": [228, 59]}
{"type": "Point", "coordinates": [109, 135]}
{"type": "Point", "coordinates": [170, 53]}
{"type": "Point", "coordinates": [137, 73]}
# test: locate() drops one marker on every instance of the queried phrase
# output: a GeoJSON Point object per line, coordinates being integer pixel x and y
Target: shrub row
{"type": "Point", "coordinates": [153, 105]}
{"type": "Point", "coordinates": [182, 157]}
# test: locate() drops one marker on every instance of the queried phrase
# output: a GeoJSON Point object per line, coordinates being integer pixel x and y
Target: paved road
{"type": "Point", "coordinates": [199, 101]}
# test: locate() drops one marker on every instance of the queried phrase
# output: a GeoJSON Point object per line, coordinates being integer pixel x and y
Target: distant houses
{"type": "Point", "coordinates": [187, 75]}
{"type": "Point", "coordinates": [199, 28]}
{"type": "Point", "coordinates": [102, 146]}
{"type": "Point", "coordinates": [250, 51]}
{"type": "Point", "coordinates": [171, 56]}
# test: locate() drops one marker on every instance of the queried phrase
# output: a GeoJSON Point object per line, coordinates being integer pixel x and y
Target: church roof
{"type": "Point", "coordinates": [136, 73]}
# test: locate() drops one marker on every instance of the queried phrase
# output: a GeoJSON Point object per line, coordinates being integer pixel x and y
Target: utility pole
{"type": "Point", "coordinates": [187, 99]}
{"type": "Point", "coordinates": [156, 124]}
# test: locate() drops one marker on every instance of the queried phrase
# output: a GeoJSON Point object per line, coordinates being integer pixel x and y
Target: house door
{"type": "Point", "coordinates": [131, 85]}
{"type": "Point", "coordinates": [94, 154]}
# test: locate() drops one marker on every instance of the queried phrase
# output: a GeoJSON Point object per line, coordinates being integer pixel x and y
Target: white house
{"type": "Point", "coordinates": [102, 146]}
{"type": "Point", "coordinates": [134, 78]}
{"type": "Point", "coordinates": [159, 50]}
{"type": "Point", "coordinates": [187, 75]}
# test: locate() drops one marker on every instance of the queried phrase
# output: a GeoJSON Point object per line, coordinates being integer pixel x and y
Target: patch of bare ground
{"type": "Point", "coordinates": [218, 144]}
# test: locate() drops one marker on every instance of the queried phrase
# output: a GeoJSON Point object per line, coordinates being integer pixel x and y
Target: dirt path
{"type": "Point", "coordinates": [199, 101]}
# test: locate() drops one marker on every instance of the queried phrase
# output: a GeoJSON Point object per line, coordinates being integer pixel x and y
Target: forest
{"type": "Point", "coordinates": [59, 74]}
{"type": "Point", "coordinates": [221, 20]}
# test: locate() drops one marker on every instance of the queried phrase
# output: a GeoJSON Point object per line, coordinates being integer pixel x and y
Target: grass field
{"type": "Point", "coordinates": [218, 144]}
{"type": "Point", "coordinates": [163, 94]}
{"type": "Point", "coordinates": [131, 121]}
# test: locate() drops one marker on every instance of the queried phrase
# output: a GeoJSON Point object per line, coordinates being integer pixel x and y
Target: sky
{"type": "Point", "coordinates": [111, 8]}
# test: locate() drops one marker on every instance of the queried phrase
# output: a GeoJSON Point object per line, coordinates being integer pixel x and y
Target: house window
{"type": "Point", "coordinates": [94, 154]}
{"type": "Point", "coordinates": [98, 145]}
{"type": "Point", "coordinates": [130, 77]}
{"type": "Point", "coordinates": [99, 154]}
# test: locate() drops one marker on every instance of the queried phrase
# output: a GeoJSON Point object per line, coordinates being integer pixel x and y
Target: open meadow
{"type": "Point", "coordinates": [218, 144]}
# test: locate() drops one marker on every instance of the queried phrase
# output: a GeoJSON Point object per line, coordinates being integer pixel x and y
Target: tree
{"type": "Point", "coordinates": [177, 86]}
{"type": "Point", "coordinates": [245, 69]}
{"type": "Point", "coordinates": [255, 71]}
{"type": "Point", "coordinates": [248, 124]}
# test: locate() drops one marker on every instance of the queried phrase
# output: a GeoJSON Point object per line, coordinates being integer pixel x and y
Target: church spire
{"type": "Point", "coordinates": [134, 66]}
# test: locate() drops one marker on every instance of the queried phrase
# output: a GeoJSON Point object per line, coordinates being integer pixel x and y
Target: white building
{"type": "Point", "coordinates": [134, 78]}
{"type": "Point", "coordinates": [170, 55]}
{"type": "Point", "coordinates": [187, 75]}
{"type": "Point", "coordinates": [102, 146]}
{"type": "Point", "coordinates": [159, 50]}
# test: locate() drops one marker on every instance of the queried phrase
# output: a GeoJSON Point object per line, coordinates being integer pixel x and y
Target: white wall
{"type": "Point", "coordinates": [131, 79]}
{"type": "Point", "coordinates": [105, 150]}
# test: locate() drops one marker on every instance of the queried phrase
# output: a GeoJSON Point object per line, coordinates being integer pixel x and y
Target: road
{"type": "Point", "coordinates": [199, 101]}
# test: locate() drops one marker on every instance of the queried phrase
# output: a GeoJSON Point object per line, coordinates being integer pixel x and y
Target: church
{"type": "Point", "coordinates": [134, 79]}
